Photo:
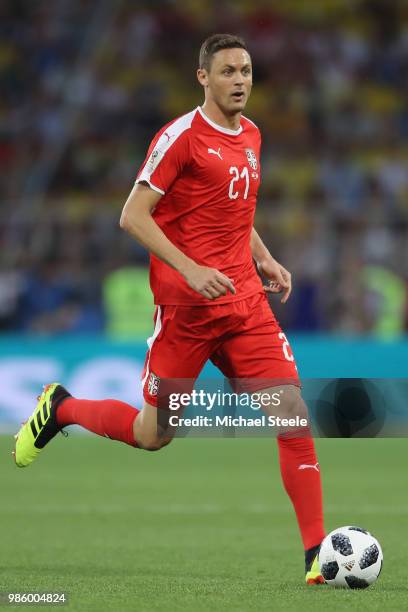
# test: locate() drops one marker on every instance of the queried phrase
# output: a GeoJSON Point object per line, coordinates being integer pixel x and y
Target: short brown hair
{"type": "Point", "coordinates": [215, 43]}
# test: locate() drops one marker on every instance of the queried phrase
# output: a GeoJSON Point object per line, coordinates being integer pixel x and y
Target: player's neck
{"type": "Point", "coordinates": [213, 112]}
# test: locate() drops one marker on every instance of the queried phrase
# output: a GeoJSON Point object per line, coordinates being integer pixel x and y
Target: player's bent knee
{"type": "Point", "coordinates": [152, 443]}
{"type": "Point", "coordinates": [292, 402]}
{"type": "Point", "coordinates": [149, 445]}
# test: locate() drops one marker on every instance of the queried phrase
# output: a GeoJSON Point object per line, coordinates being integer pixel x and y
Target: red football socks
{"type": "Point", "coordinates": [301, 478]}
{"type": "Point", "coordinates": [110, 418]}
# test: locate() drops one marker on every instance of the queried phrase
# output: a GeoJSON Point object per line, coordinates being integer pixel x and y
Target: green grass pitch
{"type": "Point", "coordinates": [201, 525]}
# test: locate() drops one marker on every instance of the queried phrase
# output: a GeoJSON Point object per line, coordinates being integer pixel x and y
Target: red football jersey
{"type": "Point", "coordinates": [209, 177]}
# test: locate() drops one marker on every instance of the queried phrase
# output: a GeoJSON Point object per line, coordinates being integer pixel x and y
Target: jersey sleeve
{"type": "Point", "coordinates": [166, 158]}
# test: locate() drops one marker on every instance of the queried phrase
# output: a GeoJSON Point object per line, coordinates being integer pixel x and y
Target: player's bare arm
{"type": "Point", "coordinates": [137, 220]}
{"type": "Point", "coordinates": [279, 278]}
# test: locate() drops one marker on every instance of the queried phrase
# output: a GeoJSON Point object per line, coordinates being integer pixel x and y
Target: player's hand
{"type": "Point", "coordinates": [280, 280]}
{"type": "Point", "coordinates": [209, 282]}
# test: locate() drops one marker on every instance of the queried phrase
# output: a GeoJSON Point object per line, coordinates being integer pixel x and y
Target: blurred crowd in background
{"type": "Point", "coordinates": [85, 85]}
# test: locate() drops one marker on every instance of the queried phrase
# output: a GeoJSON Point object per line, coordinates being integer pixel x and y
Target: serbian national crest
{"type": "Point", "coordinates": [251, 159]}
{"type": "Point", "coordinates": [153, 384]}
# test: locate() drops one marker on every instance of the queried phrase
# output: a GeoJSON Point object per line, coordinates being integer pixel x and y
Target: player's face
{"type": "Point", "coordinates": [229, 81]}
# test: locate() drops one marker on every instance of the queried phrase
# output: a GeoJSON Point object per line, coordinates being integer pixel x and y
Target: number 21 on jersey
{"type": "Point", "coordinates": [233, 189]}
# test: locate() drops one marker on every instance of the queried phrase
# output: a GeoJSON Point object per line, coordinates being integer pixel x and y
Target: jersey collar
{"type": "Point", "coordinates": [217, 127]}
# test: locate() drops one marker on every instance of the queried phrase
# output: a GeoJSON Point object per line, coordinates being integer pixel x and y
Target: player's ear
{"type": "Point", "coordinates": [202, 76]}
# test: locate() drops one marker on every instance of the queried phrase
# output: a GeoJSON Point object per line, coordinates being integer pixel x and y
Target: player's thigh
{"type": "Point", "coordinates": [258, 360]}
{"type": "Point", "coordinates": [258, 355]}
{"type": "Point", "coordinates": [177, 353]}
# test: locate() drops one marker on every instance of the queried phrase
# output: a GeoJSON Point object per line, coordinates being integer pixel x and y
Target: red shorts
{"type": "Point", "coordinates": [243, 339]}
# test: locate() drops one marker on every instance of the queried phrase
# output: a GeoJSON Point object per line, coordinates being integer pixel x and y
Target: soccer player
{"type": "Point", "coordinates": [193, 208]}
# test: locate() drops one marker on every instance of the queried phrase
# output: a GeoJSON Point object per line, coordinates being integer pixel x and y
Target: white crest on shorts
{"type": "Point", "coordinates": [252, 161]}
{"type": "Point", "coordinates": [153, 384]}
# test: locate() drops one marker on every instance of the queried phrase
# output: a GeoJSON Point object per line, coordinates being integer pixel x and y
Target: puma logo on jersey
{"type": "Point", "coordinates": [218, 152]}
{"type": "Point", "coordinates": [304, 466]}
